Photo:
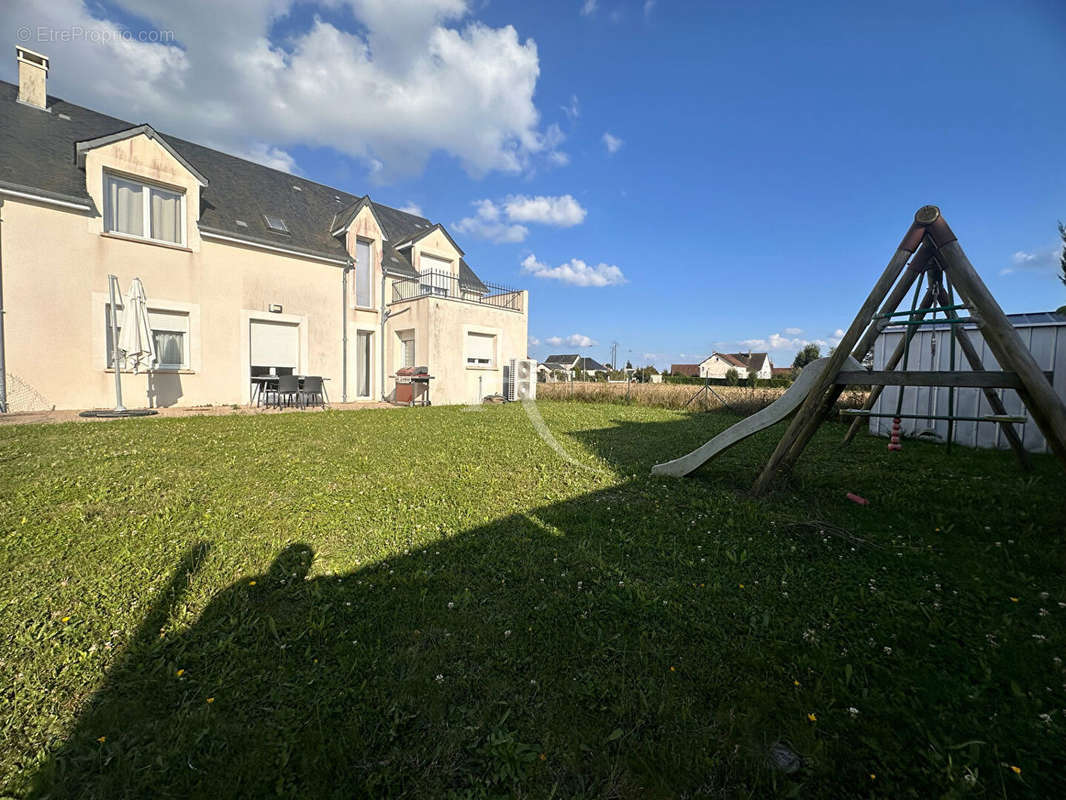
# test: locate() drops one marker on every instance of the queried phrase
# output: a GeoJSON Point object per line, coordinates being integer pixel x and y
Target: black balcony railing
{"type": "Point", "coordinates": [447, 285]}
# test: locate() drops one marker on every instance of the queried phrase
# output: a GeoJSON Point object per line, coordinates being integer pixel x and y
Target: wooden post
{"type": "Point", "coordinates": [892, 363]}
{"type": "Point", "coordinates": [918, 264]}
{"type": "Point", "coordinates": [1045, 406]}
{"type": "Point", "coordinates": [809, 416]}
{"type": "Point", "coordinates": [994, 401]}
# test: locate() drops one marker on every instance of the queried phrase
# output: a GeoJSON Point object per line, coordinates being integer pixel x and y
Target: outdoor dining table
{"type": "Point", "coordinates": [262, 383]}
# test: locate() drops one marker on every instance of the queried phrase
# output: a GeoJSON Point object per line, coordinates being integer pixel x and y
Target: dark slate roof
{"type": "Point", "coordinates": [590, 365]}
{"type": "Point", "coordinates": [567, 359]}
{"type": "Point", "coordinates": [37, 153]}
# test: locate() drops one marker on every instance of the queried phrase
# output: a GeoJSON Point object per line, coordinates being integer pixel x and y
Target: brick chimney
{"type": "Point", "coordinates": [33, 76]}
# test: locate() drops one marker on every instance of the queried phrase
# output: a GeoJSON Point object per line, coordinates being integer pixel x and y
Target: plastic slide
{"type": "Point", "coordinates": [760, 420]}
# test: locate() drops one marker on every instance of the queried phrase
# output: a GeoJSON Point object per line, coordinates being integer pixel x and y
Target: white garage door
{"type": "Point", "coordinates": [275, 344]}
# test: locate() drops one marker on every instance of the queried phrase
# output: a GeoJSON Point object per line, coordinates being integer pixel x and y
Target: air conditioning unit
{"type": "Point", "coordinates": [520, 379]}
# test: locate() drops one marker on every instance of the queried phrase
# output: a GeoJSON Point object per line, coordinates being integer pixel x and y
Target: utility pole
{"type": "Point", "coordinates": [614, 355]}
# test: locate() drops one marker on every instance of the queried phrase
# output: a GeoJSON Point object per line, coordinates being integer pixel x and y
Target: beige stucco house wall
{"type": "Point", "coordinates": [57, 259]}
{"type": "Point", "coordinates": [714, 366]}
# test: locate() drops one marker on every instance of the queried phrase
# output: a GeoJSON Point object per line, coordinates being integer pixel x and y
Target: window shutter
{"type": "Point", "coordinates": [480, 348]}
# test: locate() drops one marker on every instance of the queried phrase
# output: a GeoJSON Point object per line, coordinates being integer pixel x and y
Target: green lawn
{"type": "Point", "coordinates": [432, 603]}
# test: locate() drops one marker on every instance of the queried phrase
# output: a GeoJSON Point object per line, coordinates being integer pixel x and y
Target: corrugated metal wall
{"type": "Point", "coordinates": [930, 349]}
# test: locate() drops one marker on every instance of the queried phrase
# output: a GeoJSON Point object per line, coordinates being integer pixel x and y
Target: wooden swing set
{"type": "Point", "coordinates": [939, 262]}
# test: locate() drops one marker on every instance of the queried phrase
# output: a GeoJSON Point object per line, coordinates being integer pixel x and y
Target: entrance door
{"type": "Point", "coordinates": [362, 364]}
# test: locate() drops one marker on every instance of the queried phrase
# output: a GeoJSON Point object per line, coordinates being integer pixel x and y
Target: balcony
{"type": "Point", "coordinates": [445, 285]}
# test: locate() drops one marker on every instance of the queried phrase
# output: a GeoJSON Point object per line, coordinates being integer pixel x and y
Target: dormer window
{"type": "Point", "coordinates": [276, 224]}
{"type": "Point", "coordinates": [132, 208]}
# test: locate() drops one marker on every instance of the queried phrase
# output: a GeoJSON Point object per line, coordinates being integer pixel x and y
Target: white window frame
{"type": "Point", "coordinates": [147, 188]}
{"type": "Point", "coordinates": [370, 275]}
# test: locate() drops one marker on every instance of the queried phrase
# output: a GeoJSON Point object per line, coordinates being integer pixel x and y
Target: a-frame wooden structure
{"type": "Point", "coordinates": [936, 253]}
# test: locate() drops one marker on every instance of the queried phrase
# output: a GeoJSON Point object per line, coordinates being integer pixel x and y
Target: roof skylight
{"type": "Point", "coordinates": [276, 224]}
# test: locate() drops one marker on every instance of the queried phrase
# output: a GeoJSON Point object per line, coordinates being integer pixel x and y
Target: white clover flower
{"type": "Point", "coordinates": [853, 711]}
{"type": "Point", "coordinates": [439, 678]}
{"type": "Point", "coordinates": [451, 604]}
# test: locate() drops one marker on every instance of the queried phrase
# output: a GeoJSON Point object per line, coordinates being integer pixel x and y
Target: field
{"type": "Point", "coordinates": [435, 603]}
{"type": "Point", "coordinates": [739, 399]}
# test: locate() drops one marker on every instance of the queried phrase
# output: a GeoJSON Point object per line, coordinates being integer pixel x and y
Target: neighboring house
{"type": "Point", "coordinates": [243, 266]}
{"type": "Point", "coordinates": [568, 366]}
{"type": "Point", "coordinates": [716, 365]}
{"type": "Point", "coordinates": [781, 372]}
{"type": "Point", "coordinates": [590, 367]}
{"type": "Point", "coordinates": [688, 370]}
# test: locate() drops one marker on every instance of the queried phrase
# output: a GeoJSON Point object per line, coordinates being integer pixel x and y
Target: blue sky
{"type": "Point", "coordinates": [764, 160]}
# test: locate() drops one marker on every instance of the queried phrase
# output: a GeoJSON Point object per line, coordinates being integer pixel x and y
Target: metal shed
{"type": "Point", "coordinates": [1044, 333]}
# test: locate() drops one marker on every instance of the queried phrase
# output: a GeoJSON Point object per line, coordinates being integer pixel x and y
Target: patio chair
{"type": "Point", "coordinates": [288, 391]}
{"type": "Point", "coordinates": [312, 391]}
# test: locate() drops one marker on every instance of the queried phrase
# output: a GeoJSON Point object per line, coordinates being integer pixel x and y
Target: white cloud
{"type": "Point", "coordinates": [413, 208]}
{"type": "Point", "coordinates": [561, 212]}
{"type": "Point", "coordinates": [572, 109]}
{"type": "Point", "coordinates": [588, 8]}
{"type": "Point", "coordinates": [793, 331]}
{"type": "Point", "coordinates": [273, 157]}
{"type": "Point", "coordinates": [502, 222]}
{"type": "Point", "coordinates": [533, 341]}
{"type": "Point", "coordinates": [612, 143]}
{"type": "Point", "coordinates": [573, 340]}
{"type": "Point", "coordinates": [1046, 260]}
{"type": "Point", "coordinates": [366, 94]}
{"type": "Point", "coordinates": [575, 272]}
{"type": "Point", "coordinates": [649, 6]}
{"type": "Point", "coordinates": [487, 224]}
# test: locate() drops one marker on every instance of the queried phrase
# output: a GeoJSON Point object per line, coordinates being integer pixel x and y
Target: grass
{"type": "Point", "coordinates": [432, 603]}
{"type": "Point", "coordinates": [680, 396]}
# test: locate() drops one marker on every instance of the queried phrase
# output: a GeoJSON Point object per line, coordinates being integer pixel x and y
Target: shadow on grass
{"type": "Point", "coordinates": [632, 642]}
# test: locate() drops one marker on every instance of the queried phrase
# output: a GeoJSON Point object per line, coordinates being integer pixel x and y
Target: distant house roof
{"type": "Point", "coordinates": [568, 359]}
{"type": "Point", "coordinates": [691, 370]}
{"type": "Point", "coordinates": [590, 365]}
{"type": "Point", "coordinates": [39, 154]}
{"type": "Point", "coordinates": [778, 371]}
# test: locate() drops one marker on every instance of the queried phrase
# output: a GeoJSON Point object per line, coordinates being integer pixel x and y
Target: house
{"type": "Point", "coordinates": [716, 365]}
{"type": "Point", "coordinates": [688, 370]}
{"type": "Point", "coordinates": [570, 365]}
{"type": "Point", "coordinates": [781, 372]}
{"type": "Point", "coordinates": [243, 265]}
{"type": "Point", "coordinates": [590, 367]}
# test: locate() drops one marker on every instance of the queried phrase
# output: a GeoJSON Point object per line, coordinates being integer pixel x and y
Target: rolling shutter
{"type": "Point", "coordinates": [275, 344]}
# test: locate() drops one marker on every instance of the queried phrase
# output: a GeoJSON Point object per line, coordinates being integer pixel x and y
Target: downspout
{"type": "Point", "coordinates": [384, 319]}
{"type": "Point", "coordinates": [344, 329]}
{"type": "Point", "coordinates": [3, 362]}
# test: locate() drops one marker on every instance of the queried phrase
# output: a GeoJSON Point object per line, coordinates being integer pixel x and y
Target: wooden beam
{"type": "Point", "coordinates": [893, 360]}
{"type": "Point", "coordinates": [810, 414]}
{"type": "Point", "coordinates": [995, 402]}
{"type": "Point", "coordinates": [977, 379]}
{"type": "Point", "coordinates": [1045, 406]}
{"type": "Point", "coordinates": [920, 263]}
{"type": "Point", "coordinates": [972, 358]}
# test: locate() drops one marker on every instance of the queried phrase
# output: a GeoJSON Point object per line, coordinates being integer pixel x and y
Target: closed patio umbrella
{"type": "Point", "coordinates": [135, 343]}
{"type": "Point", "coordinates": [135, 340]}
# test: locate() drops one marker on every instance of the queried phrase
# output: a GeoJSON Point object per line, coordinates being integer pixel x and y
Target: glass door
{"type": "Point", "coordinates": [362, 364]}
